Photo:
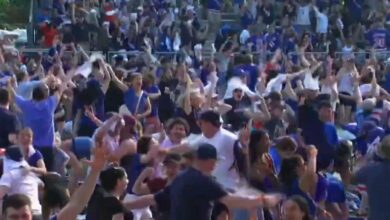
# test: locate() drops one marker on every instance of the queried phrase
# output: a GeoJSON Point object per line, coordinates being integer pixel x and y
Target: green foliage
{"type": "Point", "coordinates": [14, 13]}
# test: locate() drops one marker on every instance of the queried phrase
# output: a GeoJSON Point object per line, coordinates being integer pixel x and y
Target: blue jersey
{"type": "Point", "coordinates": [378, 38]}
{"type": "Point", "coordinates": [258, 43]}
{"type": "Point", "coordinates": [272, 41]}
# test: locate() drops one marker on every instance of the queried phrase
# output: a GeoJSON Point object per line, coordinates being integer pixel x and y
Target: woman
{"type": "Point", "coordinates": [296, 208]}
{"type": "Point", "coordinates": [134, 164]}
{"type": "Point", "coordinates": [154, 94]}
{"type": "Point", "coordinates": [262, 173]}
{"type": "Point", "coordinates": [135, 99]}
{"type": "Point", "coordinates": [167, 87]}
{"type": "Point", "coordinates": [301, 179]}
{"type": "Point", "coordinates": [33, 157]}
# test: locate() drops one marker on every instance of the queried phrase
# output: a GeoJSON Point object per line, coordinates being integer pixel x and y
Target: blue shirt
{"type": "Point", "coordinates": [376, 177]}
{"type": "Point", "coordinates": [131, 100]}
{"type": "Point", "coordinates": [253, 74]}
{"type": "Point", "coordinates": [39, 117]}
{"type": "Point", "coordinates": [272, 41]}
{"type": "Point", "coordinates": [214, 5]}
{"type": "Point", "coordinates": [276, 158]}
{"type": "Point", "coordinates": [336, 191]}
{"type": "Point", "coordinates": [258, 42]}
{"type": "Point", "coordinates": [378, 38]}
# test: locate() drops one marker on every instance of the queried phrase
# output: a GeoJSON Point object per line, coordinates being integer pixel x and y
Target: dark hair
{"type": "Point", "coordinates": [96, 65]}
{"type": "Point", "coordinates": [342, 157]}
{"type": "Point", "coordinates": [178, 121]}
{"type": "Point", "coordinates": [55, 196]}
{"type": "Point", "coordinates": [38, 93]}
{"type": "Point", "coordinates": [287, 173]}
{"type": "Point", "coordinates": [16, 201]}
{"type": "Point", "coordinates": [20, 76]}
{"type": "Point", "coordinates": [255, 150]}
{"type": "Point", "coordinates": [303, 206]}
{"type": "Point", "coordinates": [143, 144]}
{"type": "Point", "coordinates": [324, 104]}
{"type": "Point", "coordinates": [4, 97]}
{"type": "Point", "coordinates": [172, 158]}
{"type": "Point", "coordinates": [110, 177]}
{"type": "Point", "coordinates": [286, 143]}
{"type": "Point", "coordinates": [190, 155]}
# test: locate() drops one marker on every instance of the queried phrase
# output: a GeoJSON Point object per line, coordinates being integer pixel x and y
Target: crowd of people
{"type": "Point", "coordinates": [260, 128]}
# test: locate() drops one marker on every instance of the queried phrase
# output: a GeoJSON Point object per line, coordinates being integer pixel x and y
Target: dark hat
{"type": "Point", "coordinates": [14, 153]}
{"type": "Point", "coordinates": [172, 158]}
{"type": "Point", "coordinates": [211, 116]}
{"type": "Point", "coordinates": [206, 152]}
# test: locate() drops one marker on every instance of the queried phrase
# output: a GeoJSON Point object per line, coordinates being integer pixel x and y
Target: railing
{"type": "Point", "coordinates": [360, 57]}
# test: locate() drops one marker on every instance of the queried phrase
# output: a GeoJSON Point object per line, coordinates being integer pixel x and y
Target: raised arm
{"type": "Point", "coordinates": [140, 187]}
{"type": "Point", "coordinates": [80, 198]}
{"type": "Point", "coordinates": [309, 177]}
{"type": "Point", "coordinates": [107, 75]}
{"type": "Point", "coordinates": [117, 81]}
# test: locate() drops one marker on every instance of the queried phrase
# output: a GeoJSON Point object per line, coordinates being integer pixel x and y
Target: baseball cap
{"type": "Point", "coordinates": [206, 152]}
{"type": "Point", "coordinates": [14, 153]}
{"type": "Point", "coordinates": [211, 116]}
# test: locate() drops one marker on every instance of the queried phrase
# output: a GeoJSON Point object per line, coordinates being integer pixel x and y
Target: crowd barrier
{"type": "Point", "coordinates": [359, 57]}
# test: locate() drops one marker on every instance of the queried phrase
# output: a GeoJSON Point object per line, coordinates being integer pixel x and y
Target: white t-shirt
{"type": "Point", "coordinates": [21, 181]}
{"type": "Point", "coordinates": [303, 15]}
{"type": "Point", "coordinates": [327, 89]}
{"type": "Point", "coordinates": [223, 141]}
{"type": "Point", "coordinates": [311, 82]}
{"type": "Point", "coordinates": [275, 84]}
{"type": "Point", "coordinates": [234, 83]}
{"type": "Point", "coordinates": [346, 83]}
{"type": "Point", "coordinates": [365, 89]}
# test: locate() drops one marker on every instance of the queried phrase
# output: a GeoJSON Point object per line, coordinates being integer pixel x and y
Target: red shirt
{"type": "Point", "coordinates": [156, 184]}
{"type": "Point", "coordinates": [49, 34]}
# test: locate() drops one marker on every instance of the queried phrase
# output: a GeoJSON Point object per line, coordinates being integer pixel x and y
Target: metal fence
{"type": "Point", "coordinates": [359, 57]}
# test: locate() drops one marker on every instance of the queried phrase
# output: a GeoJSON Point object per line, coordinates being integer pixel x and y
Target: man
{"type": "Point", "coordinates": [240, 103]}
{"type": "Point", "coordinates": [318, 129]}
{"type": "Point", "coordinates": [223, 140]}
{"type": "Point", "coordinates": [9, 121]}
{"type": "Point", "coordinates": [17, 206]}
{"type": "Point", "coordinates": [18, 179]}
{"type": "Point", "coordinates": [192, 193]}
{"type": "Point", "coordinates": [38, 114]}
{"type": "Point", "coordinates": [375, 177]}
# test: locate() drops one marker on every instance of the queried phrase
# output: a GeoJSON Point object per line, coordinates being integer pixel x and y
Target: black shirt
{"type": "Point", "coordinates": [192, 195]}
{"type": "Point", "coordinates": [162, 199]}
{"type": "Point", "coordinates": [236, 117]}
{"type": "Point", "coordinates": [103, 206]}
{"type": "Point", "coordinates": [9, 125]}
{"type": "Point", "coordinates": [191, 119]}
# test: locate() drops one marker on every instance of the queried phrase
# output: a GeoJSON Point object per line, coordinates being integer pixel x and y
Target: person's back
{"type": "Point", "coordinates": [38, 115]}
{"type": "Point", "coordinates": [191, 195]}
{"type": "Point", "coordinates": [376, 177]}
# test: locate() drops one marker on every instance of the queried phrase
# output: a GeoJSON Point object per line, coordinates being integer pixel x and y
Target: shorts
{"type": "Point", "coordinates": [347, 102]}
